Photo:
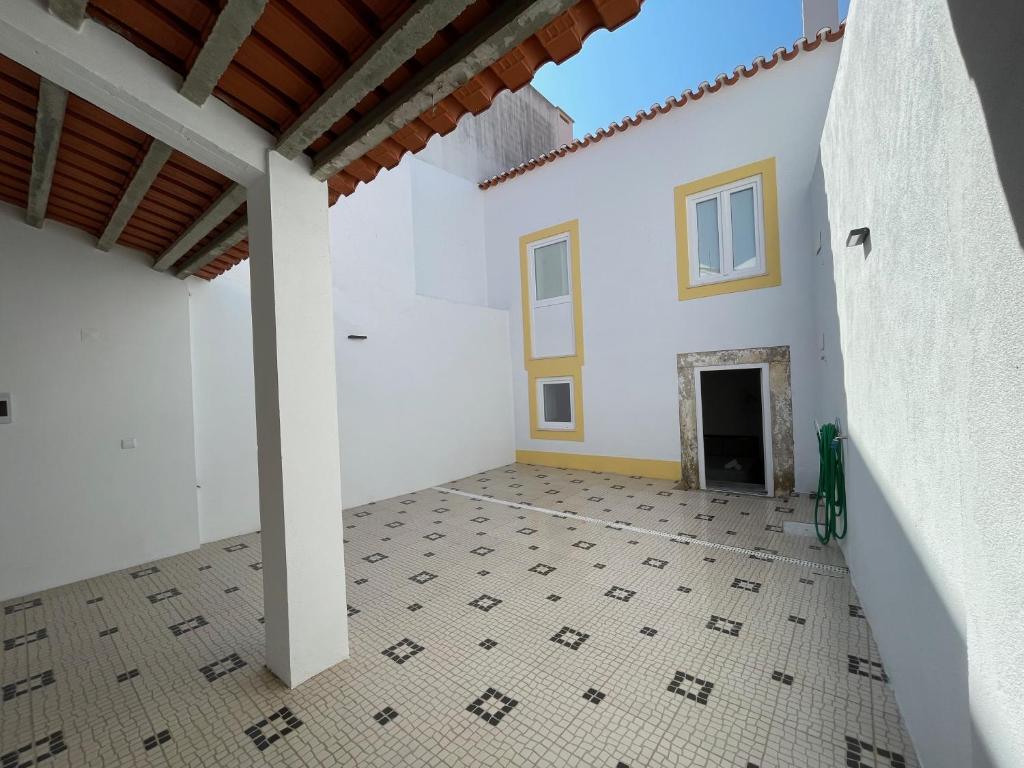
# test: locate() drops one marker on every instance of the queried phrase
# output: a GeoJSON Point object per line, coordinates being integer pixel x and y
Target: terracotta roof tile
{"type": "Point", "coordinates": [759, 64]}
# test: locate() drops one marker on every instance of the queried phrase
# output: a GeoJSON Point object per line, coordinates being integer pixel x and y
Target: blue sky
{"type": "Point", "coordinates": [671, 46]}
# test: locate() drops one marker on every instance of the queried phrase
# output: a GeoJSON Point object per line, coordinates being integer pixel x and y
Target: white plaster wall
{"type": "Point", "coordinates": [224, 402]}
{"type": "Point", "coordinates": [426, 398]}
{"type": "Point", "coordinates": [924, 350]}
{"type": "Point", "coordinates": [94, 348]}
{"type": "Point", "coordinates": [621, 190]}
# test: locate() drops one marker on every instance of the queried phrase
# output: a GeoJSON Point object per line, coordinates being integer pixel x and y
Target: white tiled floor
{"type": "Point", "coordinates": [635, 614]}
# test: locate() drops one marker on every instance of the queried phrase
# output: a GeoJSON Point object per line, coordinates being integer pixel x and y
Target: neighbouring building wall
{"type": "Point", "coordinates": [923, 347]}
{"type": "Point", "coordinates": [621, 192]}
{"type": "Point", "coordinates": [94, 349]}
{"type": "Point", "coordinates": [424, 399]}
{"type": "Point", "coordinates": [516, 127]}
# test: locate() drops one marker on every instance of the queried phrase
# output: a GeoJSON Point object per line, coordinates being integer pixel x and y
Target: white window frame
{"type": "Point", "coordinates": [566, 299]}
{"type": "Point", "coordinates": [723, 193]}
{"type": "Point", "coordinates": [559, 426]}
{"type": "Point", "coordinates": [766, 417]}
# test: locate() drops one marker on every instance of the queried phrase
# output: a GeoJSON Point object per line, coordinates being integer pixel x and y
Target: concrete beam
{"type": "Point", "coordinates": [504, 29]}
{"type": "Point", "coordinates": [143, 179]}
{"type": "Point", "coordinates": [49, 122]}
{"type": "Point", "coordinates": [69, 11]}
{"type": "Point", "coordinates": [398, 44]}
{"type": "Point", "coordinates": [233, 25]}
{"type": "Point", "coordinates": [233, 197]}
{"type": "Point", "coordinates": [108, 71]}
{"type": "Point", "coordinates": [228, 238]}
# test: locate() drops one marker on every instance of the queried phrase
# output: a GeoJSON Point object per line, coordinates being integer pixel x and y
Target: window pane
{"type": "Point", "coordinates": [551, 269]}
{"type": "Point", "coordinates": [744, 244]}
{"type": "Point", "coordinates": [557, 402]}
{"type": "Point", "coordinates": [708, 251]}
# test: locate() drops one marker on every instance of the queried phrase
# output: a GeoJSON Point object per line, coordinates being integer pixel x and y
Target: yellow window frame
{"type": "Point", "coordinates": [553, 367]}
{"type": "Point", "coordinates": [770, 215]}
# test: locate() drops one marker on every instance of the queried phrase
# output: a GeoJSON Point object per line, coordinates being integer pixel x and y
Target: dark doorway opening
{"type": "Point", "coordinates": [732, 419]}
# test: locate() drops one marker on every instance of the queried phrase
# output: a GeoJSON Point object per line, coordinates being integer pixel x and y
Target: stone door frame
{"type": "Point", "coordinates": [781, 403]}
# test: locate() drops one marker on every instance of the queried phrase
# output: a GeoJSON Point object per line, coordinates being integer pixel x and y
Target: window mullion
{"type": "Point", "coordinates": [726, 232]}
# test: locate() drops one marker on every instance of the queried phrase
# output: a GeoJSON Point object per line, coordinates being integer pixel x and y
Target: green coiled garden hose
{"type": "Point", "coordinates": [831, 485]}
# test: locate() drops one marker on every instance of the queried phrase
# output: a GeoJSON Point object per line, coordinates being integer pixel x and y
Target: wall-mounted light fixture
{"type": "Point", "coordinates": [857, 236]}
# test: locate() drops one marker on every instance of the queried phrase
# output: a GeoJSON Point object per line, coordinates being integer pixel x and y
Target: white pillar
{"type": "Point", "coordinates": [818, 14]}
{"type": "Point", "coordinates": [296, 422]}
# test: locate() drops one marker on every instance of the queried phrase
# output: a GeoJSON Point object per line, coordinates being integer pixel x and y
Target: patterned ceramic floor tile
{"type": "Point", "coordinates": [623, 622]}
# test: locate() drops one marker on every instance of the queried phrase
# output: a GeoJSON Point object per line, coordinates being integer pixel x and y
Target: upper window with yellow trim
{"type": "Point", "coordinates": [553, 330]}
{"type": "Point", "coordinates": [727, 232]}
{"type": "Point", "coordinates": [551, 298]}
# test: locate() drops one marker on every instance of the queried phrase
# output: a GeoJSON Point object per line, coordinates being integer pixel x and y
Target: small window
{"type": "Point", "coordinates": [726, 232]}
{"type": "Point", "coordinates": [555, 398]}
{"type": "Point", "coordinates": [551, 271]}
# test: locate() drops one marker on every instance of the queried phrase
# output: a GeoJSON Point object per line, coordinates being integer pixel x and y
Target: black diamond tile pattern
{"type": "Point", "coordinates": [24, 605]}
{"type": "Point", "coordinates": [692, 687]}
{"type": "Point", "coordinates": [188, 625]}
{"type": "Point", "coordinates": [492, 705]}
{"type": "Point", "coordinates": [570, 638]}
{"type": "Point", "coordinates": [217, 669]}
{"type": "Point", "coordinates": [746, 585]}
{"type": "Point", "coordinates": [485, 602]}
{"type": "Point", "coordinates": [863, 754]}
{"type": "Point", "coordinates": [27, 685]}
{"type": "Point", "coordinates": [42, 749]}
{"type": "Point", "coordinates": [402, 651]}
{"type": "Point", "coordinates": [273, 727]}
{"type": "Point", "coordinates": [27, 639]}
{"type": "Point", "coordinates": [621, 593]}
{"type": "Point", "coordinates": [725, 626]}
{"type": "Point", "coordinates": [167, 594]}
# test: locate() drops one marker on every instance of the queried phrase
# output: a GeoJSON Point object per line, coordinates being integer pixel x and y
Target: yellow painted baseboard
{"type": "Point", "coordinates": [654, 468]}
